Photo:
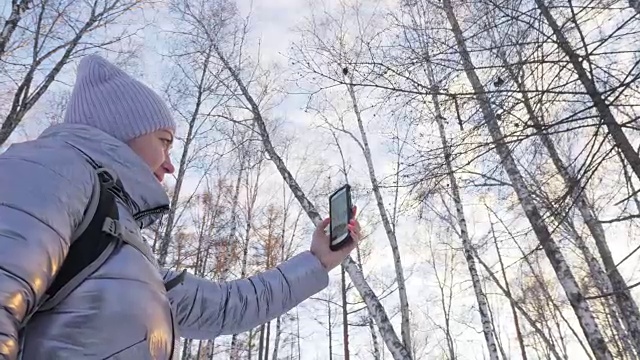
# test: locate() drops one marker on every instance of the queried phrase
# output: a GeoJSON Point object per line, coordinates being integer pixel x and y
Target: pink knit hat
{"type": "Point", "coordinates": [107, 98]}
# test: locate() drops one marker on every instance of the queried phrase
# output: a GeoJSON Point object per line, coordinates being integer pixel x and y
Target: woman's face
{"type": "Point", "coordinates": [153, 148]}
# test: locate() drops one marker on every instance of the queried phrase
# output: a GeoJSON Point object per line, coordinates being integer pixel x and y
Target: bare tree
{"type": "Point", "coordinates": [604, 111]}
{"type": "Point", "coordinates": [327, 37]}
{"type": "Point", "coordinates": [576, 190]}
{"type": "Point", "coordinates": [39, 38]}
{"type": "Point", "coordinates": [251, 185]}
{"type": "Point", "coordinates": [18, 8]}
{"type": "Point", "coordinates": [207, 24]}
{"type": "Point", "coordinates": [389, 229]}
{"type": "Point", "coordinates": [445, 287]}
{"type": "Point", "coordinates": [581, 308]}
{"type": "Point", "coordinates": [191, 94]}
{"type": "Point", "coordinates": [487, 326]}
{"type": "Point", "coordinates": [516, 321]}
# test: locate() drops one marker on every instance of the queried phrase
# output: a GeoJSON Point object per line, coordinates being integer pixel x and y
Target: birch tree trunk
{"type": "Point", "coordinates": [330, 330]}
{"type": "Point", "coordinates": [563, 272]}
{"type": "Point", "coordinates": [18, 7]}
{"type": "Point", "coordinates": [267, 342]}
{"type": "Point", "coordinates": [199, 352]}
{"type": "Point", "coordinates": [405, 328]}
{"type": "Point", "coordinates": [536, 328]}
{"type": "Point", "coordinates": [163, 249]}
{"type": "Point", "coordinates": [186, 349]}
{"type": "Point", "coordinates": [516, 322]}
{"type": "Point", "coordinates": [483, 307]}
{"type": "Point", "coordinates": [551, 312]}
{"type": "Point", "coordinates": [615, 130]}
{"type": "Point", "coordinates": [374, 339]}
{"type": "Point", "coordinates": [370, 323]}
{"type": "Point", "coordinates": [599, 278]}
{"type": "Point", "coordinates": [251, 201]}
{"type": "Point", "coordinates": [607, 282]}
{"type": "Point", "coordinates": [446, 299]}
{"type": "Point", "coordinates": [276, 341]}
{"type": "Point", "coordinates": [229, 246]}
{"type": "Point", "coordinates": [250, 344]}
{"type": "Point", "coordinates": [345, 316]}
{"type": "Point", "coordinates": [261, 342]}
{"type": "Point", "coordinates": [376, 309]}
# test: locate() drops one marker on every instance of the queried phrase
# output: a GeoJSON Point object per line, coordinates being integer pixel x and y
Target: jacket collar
{"type": "Point", "coordinates": [147, 193]}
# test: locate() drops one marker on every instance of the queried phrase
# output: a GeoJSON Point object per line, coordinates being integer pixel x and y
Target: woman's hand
{"type": "Point", "coordinates": [320, 243]}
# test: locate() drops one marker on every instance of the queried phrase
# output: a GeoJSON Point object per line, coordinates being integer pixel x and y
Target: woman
{"type": "Point", "coordinates": [120, 310]}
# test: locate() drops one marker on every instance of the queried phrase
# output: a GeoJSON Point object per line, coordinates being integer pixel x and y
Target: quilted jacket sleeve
{"type": "Point", "coordinates": [43, 193]}
{"type": "Point", "coordinates": [206, 309]}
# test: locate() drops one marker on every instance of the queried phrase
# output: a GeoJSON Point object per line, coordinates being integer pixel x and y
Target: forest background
{"type": "Point", "coordinates": [491, 145]}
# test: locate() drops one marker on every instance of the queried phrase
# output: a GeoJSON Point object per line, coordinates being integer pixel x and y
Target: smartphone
{"type": "Point", "coordinates": [341, 212]}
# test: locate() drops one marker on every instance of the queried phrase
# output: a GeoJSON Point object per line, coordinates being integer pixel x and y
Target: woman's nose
{"type": "Point", "coordinates": [168, 166]}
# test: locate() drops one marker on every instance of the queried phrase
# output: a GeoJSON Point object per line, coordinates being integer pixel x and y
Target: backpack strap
{"type": "Point", "coordinates": [95, 242]}
{"type": "Point", "coordinates": [90, 246]}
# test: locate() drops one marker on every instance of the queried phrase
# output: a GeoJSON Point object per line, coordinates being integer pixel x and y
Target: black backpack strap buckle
{"type": "Point", "coordinates": [179, 279]}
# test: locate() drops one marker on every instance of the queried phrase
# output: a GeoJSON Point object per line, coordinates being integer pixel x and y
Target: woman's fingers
{"type": "Point", "coordinates": [354, 230]}
{"type": "Point", "coordinates": [320, 229]}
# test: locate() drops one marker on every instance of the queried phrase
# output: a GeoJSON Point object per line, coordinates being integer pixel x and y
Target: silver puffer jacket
{"type": "Point", "coordinates": [122, 311]}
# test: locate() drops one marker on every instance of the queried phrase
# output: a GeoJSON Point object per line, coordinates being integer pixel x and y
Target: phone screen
{"type": "Point", "coordinates": [339, 217]}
